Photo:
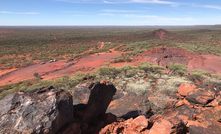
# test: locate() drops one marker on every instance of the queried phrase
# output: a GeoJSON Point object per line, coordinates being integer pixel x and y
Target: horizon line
{"type": "Point", "coordinates": [96, 25]}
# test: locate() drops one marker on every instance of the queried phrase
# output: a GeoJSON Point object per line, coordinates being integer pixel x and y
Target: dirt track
{"type": "Point", "coordinates": [59, 68]}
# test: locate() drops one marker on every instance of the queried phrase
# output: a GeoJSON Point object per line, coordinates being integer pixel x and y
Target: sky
{"type": "Point", "coordinates": [109, 12]}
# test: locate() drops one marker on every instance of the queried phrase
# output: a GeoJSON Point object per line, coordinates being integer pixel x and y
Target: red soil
{"type": "Point", "coordinates": [27, 72]}
{"type": "Point", "coordinates": [89, 63]}
{"type": "Point", "coordinates": [163, 56]}
{"type": "Point", "coordinates": [57, 69]}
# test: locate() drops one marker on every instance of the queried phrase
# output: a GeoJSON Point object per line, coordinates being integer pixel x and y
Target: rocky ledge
{"type": "Point", "coordinates": [98, 108]}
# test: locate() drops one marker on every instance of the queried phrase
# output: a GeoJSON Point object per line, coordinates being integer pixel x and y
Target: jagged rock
{"type": "Point", "coordinates": [200, 130]}
{"type": "Point", "coordinates": [159, 104]}
{"type": "Point", "coordinates": [81, 93]}
{"type": "Point", "coordinates": [173, 125]}
{"type": "Point", "coordinates": [184, 88]}
{"type": "Point", "coordinates": [100, 97]}
{"type": "Point", "coordinates": [130, 126]}
{"type": "Point", "coordinates": [108, 118]}
{"type": "Point", "coordinates": [186, 111]}
{"type": "Point", "coordinates": [140, 123]}
{"type": "Point", "coordinates": [200, 96]}
{"type": "Point", "coordinates": [215, 102]}
{"type": "Point", "coordinates": [74, 128]}
{"type": "Point", "coordinates": [130, 105]}
{"type": "Point", "coordinates": [44, 110]}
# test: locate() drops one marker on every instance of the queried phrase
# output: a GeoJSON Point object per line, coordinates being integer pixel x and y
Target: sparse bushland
{"type": "Point", "coordinates": [109, 71]}
{"type": "Point", "coordinates": [16, 50]}
{"type": "Point", "coordinates": [16, 47]}
{"type": "Point", "coordinates": [140, 87]}
{"type": "Point", "coordinates": [122, 59]}
{"type": "Point", "coordinates": [218, 76]}
{"type": "Point", "coordinates": [171, 84]}
{"type": "Point", "coordinates": [177, 68]}
{"type": "Point", "coordinates": [212, 81]}
{"type": "Point", "coordinates": [15, 87]}
{"type": "Point", "coordinates": [199, 74]}
{"type": "Point", "coordinates": [150, 67]}
{"type": "Point", "coordinates": [67, 83]}
{"type": "Point", "coordinates": [139, 79]}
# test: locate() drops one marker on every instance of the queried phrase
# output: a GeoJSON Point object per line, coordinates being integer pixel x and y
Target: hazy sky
{"type": "Point", "coordinates": [110, 12]}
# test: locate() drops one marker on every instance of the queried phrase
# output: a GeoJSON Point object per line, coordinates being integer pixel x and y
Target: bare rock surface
{"type": "Point", "coordinates": [194, 110]}
{"type": "Point", "coordinates": [100, 97]}
{"type": "Point", "coordinates": [130, 126]}
{"type": "Point", "coordinates": [130, 105]}
{"type": "Point", "coordinates": [200, 96]}
{"type": "Point", "coordinates": [184, 88]}
{"type": "Point", "coordinates": [173, 125]}
{"type": "Point", "coordinates": [44, 110]}
{"type": "Point", "coordinates": [81, 93]}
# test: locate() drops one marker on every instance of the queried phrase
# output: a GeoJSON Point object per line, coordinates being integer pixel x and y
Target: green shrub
{"type": "Point", "coordinates": [146, 66]}
{"type": "Point", "coordinates": [131, 73]}
{"type": "Point", "coordinates": [171, 84]}
{"type": "Point", "coordinates": [128, 59]}
{"type": "Point", "coordinates": [118, 59]}
{"type": "Point", "coordinates": [79, 74]}
{"type": "Point", "coordinates": [5, 93]}
{"type": "Point", "coordinates": [216, 76]}
{"type": "Point", "coordinates": [44, 83]}
{"type": "Point", "coordinates": [66, 83]}
{"type": "Point", "coordinates": [109, 71]}
{"type": "Point", "coordinates": [35, 74]}
{"type": "Point", "coordinates": [139, 87]}
{"type": "Point", "coordinates": [177, 68]}
{"type": "Point", "coordinates": [199, 74]}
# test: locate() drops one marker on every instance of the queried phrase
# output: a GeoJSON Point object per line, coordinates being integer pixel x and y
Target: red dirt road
{"type": "Point", "coordinates": [27, 72]}
{"type": "Point", "coordinates": [59, 68]}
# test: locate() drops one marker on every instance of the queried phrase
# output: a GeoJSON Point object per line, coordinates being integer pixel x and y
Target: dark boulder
{"type": "Point", "coordinates": [130, 105]}
{"type": "Point", "coordinates": [200, 96]}
{"type": "Point", "coordinates": [44, 110]}
{"type": "Point", "coordinates": [200, 130]}
{"type": "Point", "coordinates": [172, 125]}
{"type": "Point", "coordinates": [81, 93]}
{"type": "Point", "coordinates": [100, 97]}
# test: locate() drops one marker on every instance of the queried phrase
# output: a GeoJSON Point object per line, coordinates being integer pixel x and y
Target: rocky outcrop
{"type": "Point", "coordinates": [173, 125]}
{"type": "Point", "coordinates": [200, 96]}
{"type": "Point", "coordinates": [44, 110]}
{"type": "Point", "coordinates": [52, 111]}
{"type": "Point", "coordinates": [100, 98]}
{"type": "Point", "coordinates": [130, 126]}
{"type": "Point", "coordinates": [92, 116]}
{"type": "Point", "coordinates": [81, 93]}
{"type": "Point", "coordinates": [184, 88]}
{"type": "Point", "coordinates": [130, 105]}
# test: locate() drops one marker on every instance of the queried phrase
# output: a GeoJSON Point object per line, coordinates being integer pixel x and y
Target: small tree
{"type": "Point", "coordinates": [177, 68]}
{"type": "Point", "coordinates": [36, 74]}
{"type": "Point", "coordinates": [146, 66]}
